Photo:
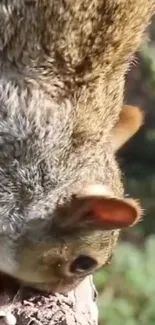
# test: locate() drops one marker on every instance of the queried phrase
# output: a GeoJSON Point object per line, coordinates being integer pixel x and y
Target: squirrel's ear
{"type": "Point", "coordinates": [130, 120]}
{"type": "Point", "coordinates": [113, 213]}
{"type": "Point", "coordinates": [108, 211]}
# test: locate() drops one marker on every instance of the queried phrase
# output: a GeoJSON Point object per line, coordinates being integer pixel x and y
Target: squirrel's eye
{"type": "Point", "coordinates": [82, 264]}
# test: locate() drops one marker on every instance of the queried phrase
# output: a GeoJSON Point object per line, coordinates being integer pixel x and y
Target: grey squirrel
{"type": "Point", "coordinates": [62, 67]}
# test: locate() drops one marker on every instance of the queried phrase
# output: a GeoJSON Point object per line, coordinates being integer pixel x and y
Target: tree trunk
{"type": "Point", "coordinates": [76, 308]}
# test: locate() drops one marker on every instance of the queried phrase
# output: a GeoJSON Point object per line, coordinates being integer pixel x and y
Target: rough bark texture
{"type": "Point", "coordinates": [29, 308]}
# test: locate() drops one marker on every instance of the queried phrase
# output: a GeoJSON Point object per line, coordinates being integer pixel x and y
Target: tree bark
{"type": "Point", "coordinates": [78, 307]}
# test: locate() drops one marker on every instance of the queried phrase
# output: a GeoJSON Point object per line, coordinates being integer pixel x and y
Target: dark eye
{"type": "Point", "coordinates": [82, 264]}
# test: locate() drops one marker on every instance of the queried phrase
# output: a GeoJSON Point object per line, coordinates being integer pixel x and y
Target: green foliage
{"type": "Point", "coordinates": [127, 287]}
{"type": "Point", "coordinates": [139, 181]}
{"type": "Point", "coordinates": [148, 55]}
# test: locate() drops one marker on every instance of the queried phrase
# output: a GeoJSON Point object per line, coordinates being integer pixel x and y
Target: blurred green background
{"type": "Point", "coordinates": [127, 286]}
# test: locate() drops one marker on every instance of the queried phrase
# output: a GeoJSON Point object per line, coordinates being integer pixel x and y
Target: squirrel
{"type": "Point", "coordinates": [62, 68]}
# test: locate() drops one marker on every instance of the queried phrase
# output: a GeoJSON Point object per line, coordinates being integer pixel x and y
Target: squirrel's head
{"type": "Point", "coordinates": [58, 254]}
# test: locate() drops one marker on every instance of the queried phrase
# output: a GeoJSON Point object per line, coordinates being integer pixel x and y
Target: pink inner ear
{"type": "Point", "coordinates": [114, 213]}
